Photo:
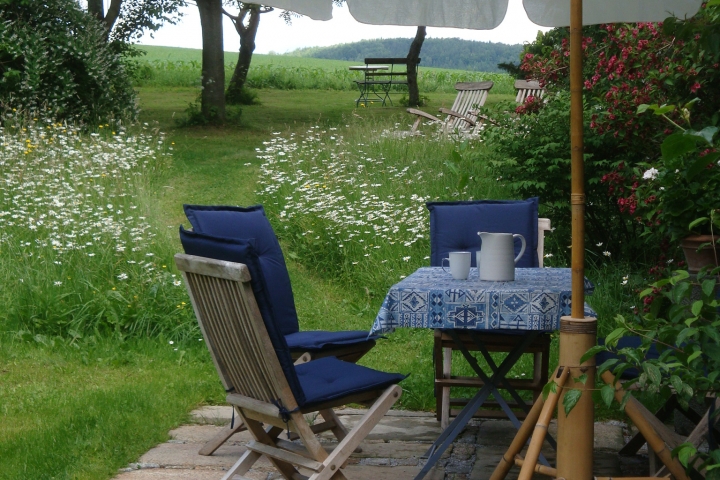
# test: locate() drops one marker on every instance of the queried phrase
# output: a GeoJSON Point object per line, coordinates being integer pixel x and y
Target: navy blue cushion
{"type": "Point", "coordinates": [243, 251]}
{"type": "Point", "coordinates": [454, 226]}
{"type": "Point", "coordinates": [625, 342]}
{"type": "Point", "coordinates": [313, 340]}
{"type": "Point", "coordinates": [328, 379]}
{"type": "Point", "coordinates": [251, 222]}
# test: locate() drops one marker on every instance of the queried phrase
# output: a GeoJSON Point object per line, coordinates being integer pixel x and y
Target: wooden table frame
{"type": "Point", "coordinates": [490, 387]}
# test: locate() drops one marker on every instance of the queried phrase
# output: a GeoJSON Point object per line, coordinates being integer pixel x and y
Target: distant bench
{"type": "Point", "coordinates": [381, 75]}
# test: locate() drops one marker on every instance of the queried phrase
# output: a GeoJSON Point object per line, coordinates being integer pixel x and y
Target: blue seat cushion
{"type": "Point", "coordinates": [243, 251]}
{"type": "Point", "coordinates": [625, 342]}
{"type": "Point", "coordinates": [251, 222]}
{"type": "Point", "coordinates": [329, 379]}
{"type": "Point", "coordinates": [454, 226]}
{"type": "Point", "coordinates": [314, 340]}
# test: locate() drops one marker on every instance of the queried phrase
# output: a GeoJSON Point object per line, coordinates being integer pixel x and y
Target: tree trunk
{"type": "Point", "coordinates": [96, 9]}
{"type": "Point", "coordinates": [247, 47]}
{"type": "Point", "coordinates": [413, 57]}
{"type": "Point", "coordinates": [112, 15]}
{"type": "Point", "coordinates": [212, 103]}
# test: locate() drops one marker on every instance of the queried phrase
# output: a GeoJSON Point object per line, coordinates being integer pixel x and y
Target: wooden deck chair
{"type": "Point", "coordinates": [454, 226]}
{"type": "Point", "coordinates": [660, 439]}
{"type": "Point", "coordinates": [255, 367]}
{"type": "Point", "coordinates": [655, 421]}
{"type": "Point", "coordinates": [213, 226]}
{"type": "Point", "coordinates": [464, 116]}
{"type": "Point", "coordinates": [528, 88]}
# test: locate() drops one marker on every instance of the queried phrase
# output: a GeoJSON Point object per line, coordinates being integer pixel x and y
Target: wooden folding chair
{"type": "Point", "coordinates": [660, 439]}
{"type": "Point", "coordinates": [256, 369]}
{"type": "Point", "coordinates": [464, 116]}
{"type": "Point", "coordinates": [528, 88]}
{"type": "Point", "coordinates": [214, 223]}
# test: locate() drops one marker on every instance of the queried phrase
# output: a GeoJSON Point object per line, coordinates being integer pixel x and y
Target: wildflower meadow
{"type": "Point", "coordinates": [350, 200]}
{"type": "Point", "coordinates": [78, 255]}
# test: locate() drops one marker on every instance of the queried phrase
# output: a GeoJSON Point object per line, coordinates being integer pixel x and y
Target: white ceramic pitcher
{"type": "Point", "coordinates": [496, 258]}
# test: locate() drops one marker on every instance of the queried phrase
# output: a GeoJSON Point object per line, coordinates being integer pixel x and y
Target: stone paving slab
{"type": "Point", "coordinates": [393, 450]}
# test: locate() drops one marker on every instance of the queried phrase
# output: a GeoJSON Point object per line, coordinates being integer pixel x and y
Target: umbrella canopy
{"type": "Point", "coordinates": [488, 14]}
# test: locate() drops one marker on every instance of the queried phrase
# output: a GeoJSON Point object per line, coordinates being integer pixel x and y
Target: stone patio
{"type": "Point", "coordinates": [393, 450]}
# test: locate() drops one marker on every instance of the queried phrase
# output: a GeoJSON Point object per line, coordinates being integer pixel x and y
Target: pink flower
{"type": "Point", "coordinates": [695, 87]}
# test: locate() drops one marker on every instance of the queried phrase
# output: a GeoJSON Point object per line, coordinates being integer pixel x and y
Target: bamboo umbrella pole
{"type": "Point", "coordinates": [541, 427]}
{"type": "Point", "coordinates": [526, 429]}
{"type": "Point", "coordinates": [577, 170]}
{"type": "Point", "coordinates": [577, 333]}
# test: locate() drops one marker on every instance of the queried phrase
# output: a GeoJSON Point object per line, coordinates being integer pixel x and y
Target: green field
{"type": "Point", "coordinates": [180, 67]}
{"type": "Point", "coordinates": [175, 54]}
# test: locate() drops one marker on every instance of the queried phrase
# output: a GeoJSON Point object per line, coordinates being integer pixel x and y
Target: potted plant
{"type": "Point", "coordinates": [680, 193]}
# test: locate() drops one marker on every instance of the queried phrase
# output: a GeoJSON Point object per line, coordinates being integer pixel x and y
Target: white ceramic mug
{"type": "Point", "coordinates": [459, 264]}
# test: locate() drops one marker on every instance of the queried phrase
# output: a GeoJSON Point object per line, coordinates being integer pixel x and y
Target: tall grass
{"type": "Point", "coordinates": [285, 76]}
{"type": "Point", "coordinates": [78, 255]}
{"type": "Point", "coordinates": [350, 201]}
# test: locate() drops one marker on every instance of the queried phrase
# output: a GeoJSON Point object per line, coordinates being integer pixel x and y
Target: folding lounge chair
{"type": "Point", "coordinates": [464, 114]}
{"type": "Point", "coordinates": [454, 227]}
{"type": "Point", "coordinates": [215, 224]}
{"type": "Point", "coordinates": [528, 88]}
{"type": "Point", "coordinates": [254, 363]}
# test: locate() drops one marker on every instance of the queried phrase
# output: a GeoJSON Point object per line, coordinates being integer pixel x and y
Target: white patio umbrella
{"type": "Point", "coordinates": [577, 333]}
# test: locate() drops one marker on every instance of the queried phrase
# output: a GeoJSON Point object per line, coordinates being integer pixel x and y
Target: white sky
{"type": "Point", "coordinates": [275, 36]}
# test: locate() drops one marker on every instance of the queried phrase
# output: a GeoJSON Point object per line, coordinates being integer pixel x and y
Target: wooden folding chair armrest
{"type": "Point", "coordinates": [447, 111]}
{"type": "Point", "coordinates": [420, 113]}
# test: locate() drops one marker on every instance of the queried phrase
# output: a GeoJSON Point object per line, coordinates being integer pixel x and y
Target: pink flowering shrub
{"type": "Point", "coordinates": [625, 66]}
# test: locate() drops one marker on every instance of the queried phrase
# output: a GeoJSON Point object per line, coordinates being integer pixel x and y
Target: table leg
{"type": "Point", "coordinates": [363, 87]}
{"type": "Point", "coordinates": [506, 386]}
{"type": "Point", "coordinates": [456, 426]}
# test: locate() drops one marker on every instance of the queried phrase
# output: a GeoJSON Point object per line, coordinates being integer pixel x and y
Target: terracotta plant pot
{"type": "Point", "coordinates": [698, 259]}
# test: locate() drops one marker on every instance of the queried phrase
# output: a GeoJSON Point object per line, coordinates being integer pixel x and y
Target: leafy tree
{"type": "Point", "coordinates": [127, 20]}
{"type": "Point", "coordinates": [54, 60]}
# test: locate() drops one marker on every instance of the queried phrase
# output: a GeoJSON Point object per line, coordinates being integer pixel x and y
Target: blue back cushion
{"type": "Point", "coordinates": [251, 222]}
{"type": "Point", "coordinates": [454, 226]}
{"type": "Point", "coordinates": [243, 251]}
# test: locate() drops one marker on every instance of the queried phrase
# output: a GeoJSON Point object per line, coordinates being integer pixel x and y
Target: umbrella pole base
{"type": "Point", "coordinates": [576, 430]}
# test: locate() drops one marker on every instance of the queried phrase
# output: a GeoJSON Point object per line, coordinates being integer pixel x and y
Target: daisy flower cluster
{"type": "Point", "coordinates": [355, 209]}
{"type": "Point", "coordinates": [76, 246]}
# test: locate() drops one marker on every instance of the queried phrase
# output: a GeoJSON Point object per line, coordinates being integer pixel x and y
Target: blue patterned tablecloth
{"type": "Point", "coordinates": [431, 298]}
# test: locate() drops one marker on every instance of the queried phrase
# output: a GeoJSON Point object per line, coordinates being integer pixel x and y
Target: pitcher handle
{"type": "Point", "coordinates": [522, 249]}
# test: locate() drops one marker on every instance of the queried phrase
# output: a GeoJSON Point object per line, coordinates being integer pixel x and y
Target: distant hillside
{"type": "Point", "coordinates": [436, 52]}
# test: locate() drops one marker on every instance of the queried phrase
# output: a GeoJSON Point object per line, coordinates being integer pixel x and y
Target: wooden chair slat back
{"type": "Point", "coordinates": [467, 101]}
{"type": "Point", "coordinates": [528, 88]}
{"type": "Point", "coordinates": [233, 328]}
